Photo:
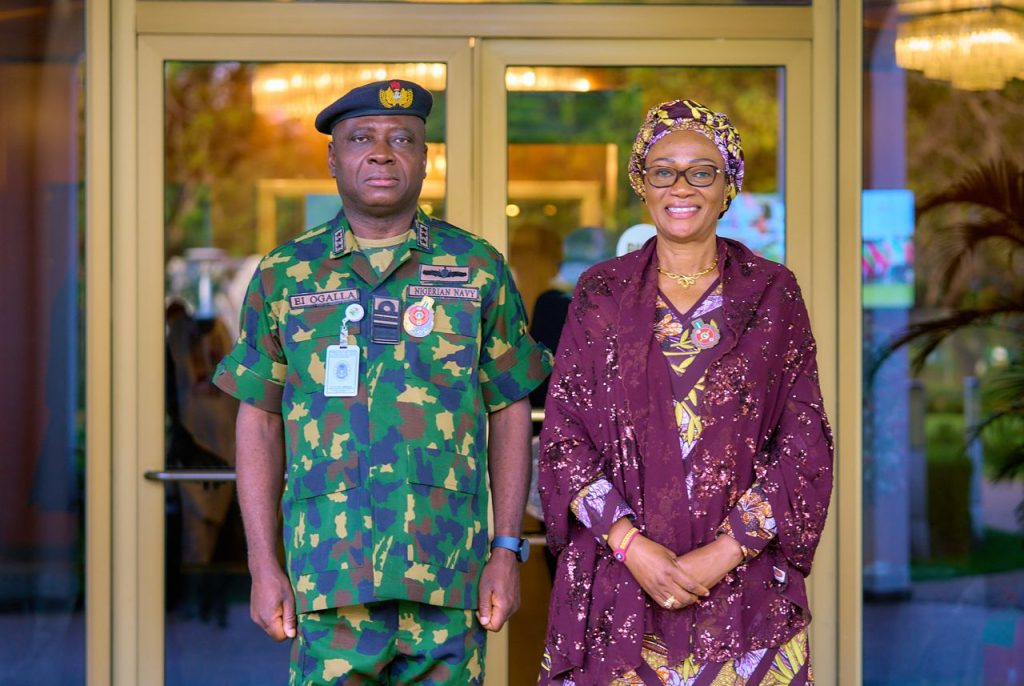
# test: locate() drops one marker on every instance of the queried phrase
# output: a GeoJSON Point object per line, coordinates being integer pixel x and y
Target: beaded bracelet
{"type": "Point", "coordinates": [627, 540]}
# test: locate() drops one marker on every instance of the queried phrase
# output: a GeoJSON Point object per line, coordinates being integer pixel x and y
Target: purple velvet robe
{"type": "Point", "coordinates": [609, 414]}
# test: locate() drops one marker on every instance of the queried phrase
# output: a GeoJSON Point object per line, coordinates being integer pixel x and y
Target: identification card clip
{"type": "Point", "coordinates": [341, 369]}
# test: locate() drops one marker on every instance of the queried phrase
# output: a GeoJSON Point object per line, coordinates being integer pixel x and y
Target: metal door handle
{"type": "Point", "coordinates": [200, 475]}
{"type": "Point", "coordinates": [190, 475]}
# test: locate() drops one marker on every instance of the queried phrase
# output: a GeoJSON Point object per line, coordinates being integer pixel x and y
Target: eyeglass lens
{"type": "Point", "coordinates": [699, 176]}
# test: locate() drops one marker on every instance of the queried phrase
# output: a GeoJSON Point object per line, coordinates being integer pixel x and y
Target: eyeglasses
{"type": "Point", "coordinates": [699, 176]}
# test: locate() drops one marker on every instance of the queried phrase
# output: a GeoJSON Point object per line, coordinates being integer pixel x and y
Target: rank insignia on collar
{"type": "Point", "coordinates": [422, 235]}
{"type": "Point", "coordinates": [339, 241]}
{"type": "Point", "coordinates": [395, 96]}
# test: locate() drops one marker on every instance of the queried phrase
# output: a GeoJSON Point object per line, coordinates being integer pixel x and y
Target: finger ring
{"type": "Point", "coordinates": [669, 602]}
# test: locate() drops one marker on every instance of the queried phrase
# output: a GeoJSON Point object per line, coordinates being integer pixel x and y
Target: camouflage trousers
{"type": "Point", "coordinates": [391, 642]}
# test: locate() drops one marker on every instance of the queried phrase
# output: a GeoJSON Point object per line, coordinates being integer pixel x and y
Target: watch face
{"type": "Point", "coordinates": [519, 546]}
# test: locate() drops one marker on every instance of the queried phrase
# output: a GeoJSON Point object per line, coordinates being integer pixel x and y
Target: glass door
{"type": "Point", "coordinates": [243, 173]}
{"type": "Point", "coordinates": [230, 167]}
{"type": "Point", "coordinates": [556, 193]}
{"type": "Point", "coordinates": [529, 150]}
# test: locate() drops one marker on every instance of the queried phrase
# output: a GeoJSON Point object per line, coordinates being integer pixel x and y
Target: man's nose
{"type": "Point", "coordinates": [381, 153]}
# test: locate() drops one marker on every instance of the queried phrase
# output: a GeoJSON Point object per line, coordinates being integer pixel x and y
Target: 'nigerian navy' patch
{"type": "Point", "coordinates": [297, 302]}
{"type": "Point", "coordinates": [450, 292]}
{"type": "Point", "coordinates": [442, 273]}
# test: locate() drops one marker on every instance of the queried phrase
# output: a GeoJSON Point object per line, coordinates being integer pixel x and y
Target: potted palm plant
{"type": "Point", "coordinates": [971, 237]}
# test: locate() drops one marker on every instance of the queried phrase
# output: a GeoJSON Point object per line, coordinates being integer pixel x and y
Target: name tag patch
{"type": "Point", "coordinates": [448, 292]}
{"type": "Point", "coordinates": [434, 273]}
{"type": "Point", "coordinates": [297, 302]}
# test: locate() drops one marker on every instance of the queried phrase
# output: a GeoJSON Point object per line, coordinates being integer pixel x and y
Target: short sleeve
{"type": "Point", "coordinates": [254, 370]}
{"type": "Point", "coordinates": [511, 363]}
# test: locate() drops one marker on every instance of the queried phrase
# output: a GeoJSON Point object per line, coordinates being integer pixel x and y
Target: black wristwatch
{"type": "Point", "coordinates": [519, 546]}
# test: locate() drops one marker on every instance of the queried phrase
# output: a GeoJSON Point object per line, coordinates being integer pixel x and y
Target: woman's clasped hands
{"type": "Point", "coordinates": [677, 581]}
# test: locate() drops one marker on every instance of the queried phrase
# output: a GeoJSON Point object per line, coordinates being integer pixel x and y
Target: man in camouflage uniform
{"type": "Point", "coordinates": [372, 348]}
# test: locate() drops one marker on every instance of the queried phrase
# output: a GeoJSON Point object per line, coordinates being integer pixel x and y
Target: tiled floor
{"type": "Point", "coordinates": [48, 650]}
{"type": "Point", "coordinates": [966, 632]}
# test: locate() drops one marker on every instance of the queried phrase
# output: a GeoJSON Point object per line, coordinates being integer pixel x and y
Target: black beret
{"type": "Point", "coordinates": [380, 98]}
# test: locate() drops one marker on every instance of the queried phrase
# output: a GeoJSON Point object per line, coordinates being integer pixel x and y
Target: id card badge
{"type": "Point", "coordinates": [341, 373]}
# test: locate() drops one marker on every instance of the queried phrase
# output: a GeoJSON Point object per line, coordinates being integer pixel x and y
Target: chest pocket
{"type": "Point", "coordinates": [449, 355]}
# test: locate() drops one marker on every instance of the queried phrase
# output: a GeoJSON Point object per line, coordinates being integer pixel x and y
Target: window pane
{"type": "Point", "coordinates": [245, 171]}
{"type": "Point", "coordinates": [943, 550]}
{"type": "Point", "coordinates": [567, 166]}
{"type": "Point", "coordinates": [42, 548]}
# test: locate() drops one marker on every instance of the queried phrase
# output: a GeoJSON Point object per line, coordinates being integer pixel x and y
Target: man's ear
{"type": "Point", "coordinates": [330, 159]}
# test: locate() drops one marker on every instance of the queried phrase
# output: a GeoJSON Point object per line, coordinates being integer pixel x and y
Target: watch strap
{"type": "Point", "coordinates": [513, 543]}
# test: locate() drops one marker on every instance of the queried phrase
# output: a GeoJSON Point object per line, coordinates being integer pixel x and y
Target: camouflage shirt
{"type": "Point", "coordinates": [387, 492]}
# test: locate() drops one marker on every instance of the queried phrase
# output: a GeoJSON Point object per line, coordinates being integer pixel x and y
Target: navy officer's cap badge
{"type": "Point", "coordinates": [387, 98]}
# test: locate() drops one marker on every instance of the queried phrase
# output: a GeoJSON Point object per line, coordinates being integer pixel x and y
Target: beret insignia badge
{"type": "Point", "coordinates": [395, 96]}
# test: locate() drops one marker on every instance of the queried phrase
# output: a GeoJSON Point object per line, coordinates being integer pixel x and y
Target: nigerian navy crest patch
{"type": "Point", "coordinates": [395, 96]}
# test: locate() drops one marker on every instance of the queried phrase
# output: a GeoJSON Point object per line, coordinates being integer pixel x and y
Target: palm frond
{"type": "Point", "coordinates": [997, 185]}
{"type": "Point", "coordinates": [931, 333]}
{"type": "Point", "coordinates": [1010, 463]}
{"type": "Point", "coordinates": [995, 188]}
{"type": "Point", "coordinates": [1012, 466]}
{"type": "Point", "coordinates": [955, 248]}
{"type": "Point", "coordinates": [1006, 388]}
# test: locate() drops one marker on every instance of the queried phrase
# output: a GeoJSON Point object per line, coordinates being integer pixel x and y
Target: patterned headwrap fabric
{"type": "Point", "coordinates": [687, 115]}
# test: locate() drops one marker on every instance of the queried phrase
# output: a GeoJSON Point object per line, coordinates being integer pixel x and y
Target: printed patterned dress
{"type": "Point", "coordinates": [686, 340]}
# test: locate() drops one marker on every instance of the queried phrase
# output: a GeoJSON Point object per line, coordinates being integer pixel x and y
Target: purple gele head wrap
{"type": "Point", "coordinates": [687, 115]}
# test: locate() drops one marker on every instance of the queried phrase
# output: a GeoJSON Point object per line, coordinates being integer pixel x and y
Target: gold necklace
{"type": "Point", "coordinates": [687, 280]}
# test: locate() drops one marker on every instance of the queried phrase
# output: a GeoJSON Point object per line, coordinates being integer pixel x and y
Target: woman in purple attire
{"type": "Point", "coordinates": [686, 460]}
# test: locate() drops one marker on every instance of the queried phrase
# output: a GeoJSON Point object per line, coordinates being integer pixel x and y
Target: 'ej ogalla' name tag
{"type": "Point", "coordinates": [324, 298]}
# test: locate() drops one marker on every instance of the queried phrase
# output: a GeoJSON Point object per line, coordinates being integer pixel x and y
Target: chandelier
{"type": "Point", "coordinates": [567, 79]}
{"type": "Point", "coordinates": [299, 90]}
{"type": "Point", "coordinates": [974, 48]}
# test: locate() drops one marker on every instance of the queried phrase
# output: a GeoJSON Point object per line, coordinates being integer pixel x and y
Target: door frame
{"type": "Point", "coordinates": [140, 606]}
{"type": "Point", "coordinates": [805, 247]}
{"type": "Point", "coordinates": [792, 55]}
{"type": "Point", "coordinates": [119, 376]}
